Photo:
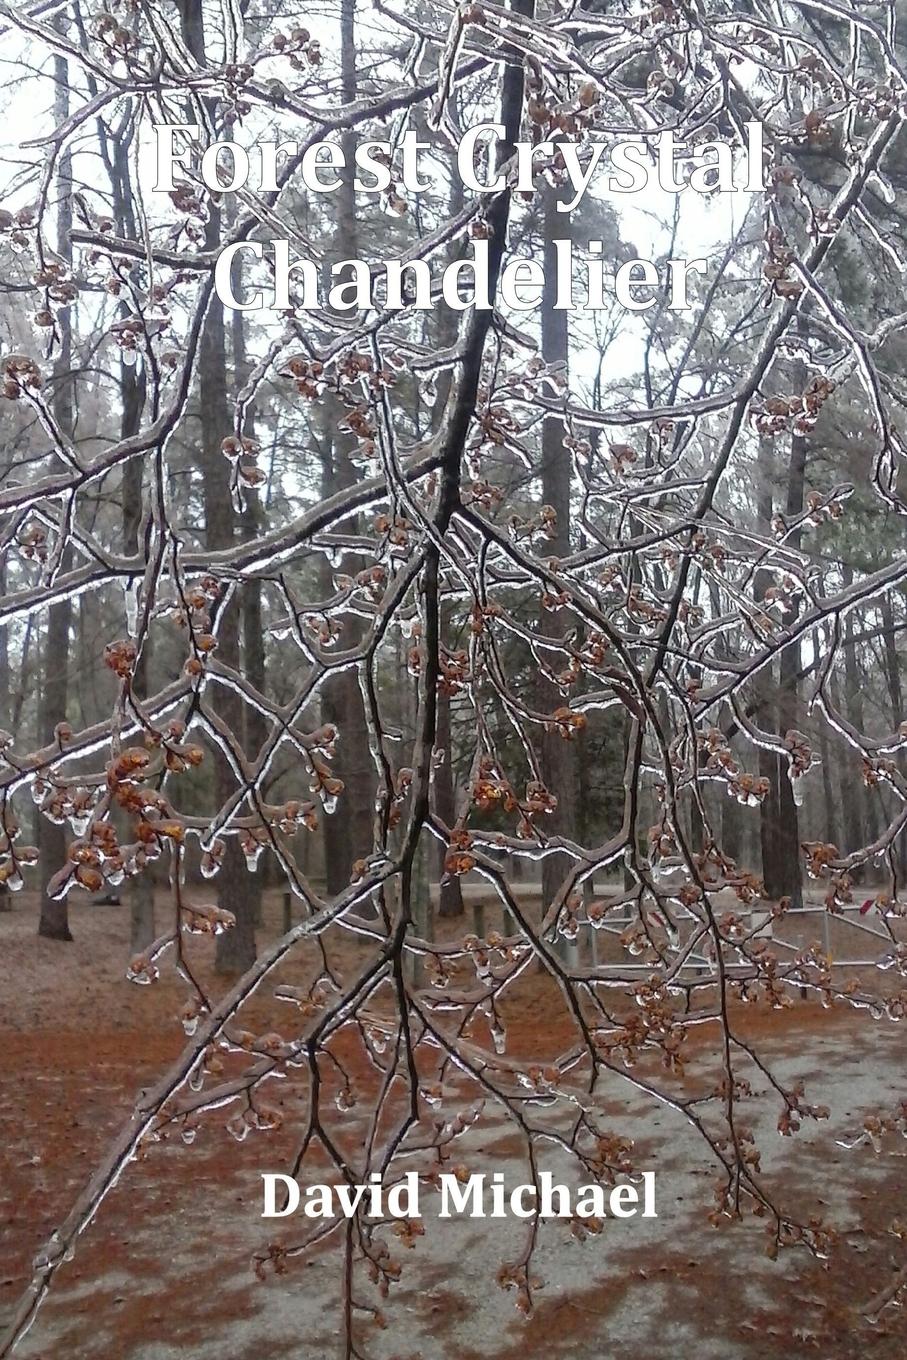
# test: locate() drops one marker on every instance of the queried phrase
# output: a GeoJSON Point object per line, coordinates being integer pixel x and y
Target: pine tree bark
{"type": "Point", "coordinates": [348, 832]}
{"type": "Point", "coordinates": [253, 637]}
{"type": "Point", "coordinates": [450, 892]}
{"type": "Point", "coordinates": [765, 692]}
{"type": "Point", "coordinates": [558, 756]}
{"type": "Point", "coordinates": [863, 808]}
{"type": "Point", "coordinates": [896, 699]}
{"type": "Point", "coordinates": [450, 895]}
{"type": "Point", "coordinates": [51, 839]}
{"type": "Point", "coordinates": [787, 844]}
{"type": "Point", "coordinates": [832, 829]}
{"type": "Point", "coordinates": [132, 398]}
{"type": "Point", "coordinates": [235, 947]}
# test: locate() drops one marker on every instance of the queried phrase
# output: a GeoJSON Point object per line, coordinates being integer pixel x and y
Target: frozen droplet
{"type": "Point", "coordinates": [237, 1127]}
{"type": "Point", "coordinates": [141, 973]}
{"type": "Point", "coordinates": [131, 601]}
{"type": "Point", "coordinates": [378, 1040]}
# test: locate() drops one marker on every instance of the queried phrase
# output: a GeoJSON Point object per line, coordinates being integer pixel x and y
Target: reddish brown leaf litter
{"type": "Point", "coordinates": [165, 1268]}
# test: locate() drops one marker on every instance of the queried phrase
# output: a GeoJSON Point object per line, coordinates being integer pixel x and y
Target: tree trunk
{"type": "Point", "coordinates": [132, 396]}
{"type": "Point", "coordinates": [557, 755]}
{"type": "Point", "coordinates": [832, 829]}
{"type": "Point", "coordinates": [256, 726]}
{"type": "Point", "coordinates": [451, 890]}
{"type": "Point", "coordinates": [865, 810]}
{"type": "Point", "coordinates": [450, 894]}
{"type": "Point", "coordinates": [788, 838]}
{"type": "Point", "coordinates": [349, 832]}
{"type": "Point", "coordinates": [54, 918]}
{"type": "Point", "coordinates": [779, 824]}
{"type": "Point", "coordinates": [896, 699]}
{"type": "Point", "coordinates": [731, 829]}
{"type": "Point", "coordinates": [852, 836]}
{"type": "Point", "coordinates": [236, 947]}
{"type": "Point", "coordinates": [764, 686]}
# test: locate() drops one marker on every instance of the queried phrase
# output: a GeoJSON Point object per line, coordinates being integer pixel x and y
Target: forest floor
{"type": "Point", "coordinates": [164, 1270]}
